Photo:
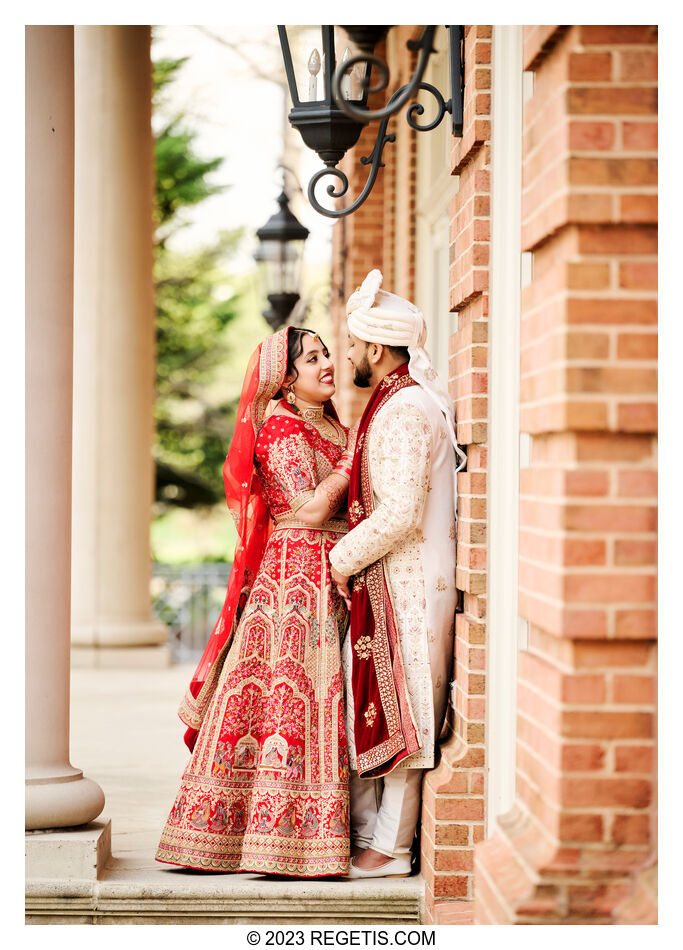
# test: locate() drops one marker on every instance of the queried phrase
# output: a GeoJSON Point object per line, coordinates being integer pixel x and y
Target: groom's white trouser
{"type": "Point", "coordinates": [385, 811]}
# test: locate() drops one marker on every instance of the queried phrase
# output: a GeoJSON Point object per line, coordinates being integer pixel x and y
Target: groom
{"type": "Point", "coordinates": [397, 565]}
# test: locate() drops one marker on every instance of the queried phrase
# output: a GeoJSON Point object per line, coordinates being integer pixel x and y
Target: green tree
{"type": "Point", "coordinates": [181, 176]}
{"type": "Point", "coordinates": [195, 305]}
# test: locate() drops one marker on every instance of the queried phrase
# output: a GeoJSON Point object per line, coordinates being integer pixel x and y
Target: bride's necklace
{"type": "Point", "coordinates": [315, 416]}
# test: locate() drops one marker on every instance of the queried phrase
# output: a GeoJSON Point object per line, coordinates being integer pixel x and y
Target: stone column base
{"type": "Point", "coordinates": [60, 798]}
{"type": "Point", "coordinates": [122, 658]}
{"type": "Point", "coordinates": [70, 854]}
{"type": "Point", "coordinates": [102, 634]}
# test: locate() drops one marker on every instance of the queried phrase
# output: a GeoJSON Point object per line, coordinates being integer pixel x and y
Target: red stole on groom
{"type": "Point", "coordinates": [384, 728]}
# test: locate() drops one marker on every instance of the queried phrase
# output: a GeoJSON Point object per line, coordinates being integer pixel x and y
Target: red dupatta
{"type": "Point", "coordinates": [384, 729]}
{"type": "Point", "coordinates": [265, 375]}
{"type": "Point", "coordinates": [244, 495]}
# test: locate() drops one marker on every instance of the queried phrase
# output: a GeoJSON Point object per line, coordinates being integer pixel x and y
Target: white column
{"type": "Point", "coordinates": [503, 459]}
{"type": "Point", "coordinates": [114, 340]}
{"type": "Point", "coordinates": [57, 794]}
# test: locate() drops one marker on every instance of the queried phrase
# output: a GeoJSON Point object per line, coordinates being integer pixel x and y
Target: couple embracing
{"type": "Point", "coordinates": [317, 703]}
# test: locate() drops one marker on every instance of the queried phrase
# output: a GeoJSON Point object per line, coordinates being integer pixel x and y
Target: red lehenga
{"type": "Point", "coordinates": [266, 788]}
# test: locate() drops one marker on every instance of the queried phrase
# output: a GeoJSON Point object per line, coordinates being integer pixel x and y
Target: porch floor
{"type": "Point", "coordinates": [125, 734]}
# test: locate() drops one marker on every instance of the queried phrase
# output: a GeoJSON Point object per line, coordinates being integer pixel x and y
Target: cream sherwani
{"type": "Point", "coordinates": [412, 472]}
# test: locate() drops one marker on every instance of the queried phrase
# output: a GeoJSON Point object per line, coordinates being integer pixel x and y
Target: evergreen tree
{"type": "Point", "coordinates": [194, 308]}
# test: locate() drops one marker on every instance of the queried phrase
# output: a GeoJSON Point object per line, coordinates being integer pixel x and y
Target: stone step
{"type": "Point", "coordinates": [126, 895]}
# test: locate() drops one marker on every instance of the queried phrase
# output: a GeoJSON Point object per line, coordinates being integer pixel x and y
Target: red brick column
{"type": "Point", "coordinates": [580, 842]}
{"type": "Point", "coordinates": [453, 794]}
{"type": "Point", "coordinates": [368, 238]}
{"type": "Point", "coordinates": [356, 248]}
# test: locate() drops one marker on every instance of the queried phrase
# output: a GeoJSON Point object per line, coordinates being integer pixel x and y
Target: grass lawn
{"type": "Point", "coordinates": [190, 537]}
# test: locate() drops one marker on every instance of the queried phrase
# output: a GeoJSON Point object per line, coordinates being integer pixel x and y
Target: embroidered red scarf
{"type": "Point", "coordinates": [384, 728]}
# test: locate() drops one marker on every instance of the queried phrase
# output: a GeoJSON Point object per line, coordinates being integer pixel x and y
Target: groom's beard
{"type": "Point", "coordinates": [362, 374]}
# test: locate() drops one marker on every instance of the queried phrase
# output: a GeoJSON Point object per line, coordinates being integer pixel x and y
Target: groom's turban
{"type": "Point", "coordinates": [378, 316]}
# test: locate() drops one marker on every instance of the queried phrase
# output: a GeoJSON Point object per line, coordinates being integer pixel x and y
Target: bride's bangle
{"type": "Point", "coordinates": [344, 465]}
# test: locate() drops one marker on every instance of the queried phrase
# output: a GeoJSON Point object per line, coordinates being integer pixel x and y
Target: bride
{"type": "Point", "coordinates": [267, 787]}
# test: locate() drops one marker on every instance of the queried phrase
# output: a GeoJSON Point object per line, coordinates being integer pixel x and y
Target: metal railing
{"type": "Point", "coordinates": [188, 599]}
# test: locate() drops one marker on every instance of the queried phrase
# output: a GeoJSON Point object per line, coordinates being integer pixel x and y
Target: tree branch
{"type": "Point", "coordinates": [278, 79]}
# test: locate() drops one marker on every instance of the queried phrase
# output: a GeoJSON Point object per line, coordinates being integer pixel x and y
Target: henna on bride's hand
{"type": "Point", "coordinates": [335, 495]}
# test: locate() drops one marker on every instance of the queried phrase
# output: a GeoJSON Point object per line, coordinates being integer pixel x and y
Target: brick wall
{"type": "Point", "coordinates": [381, 233]}
{"type": "Point", "coordinates": [578, 845]}
{"type": "Point", "coordinates": [580, 842]}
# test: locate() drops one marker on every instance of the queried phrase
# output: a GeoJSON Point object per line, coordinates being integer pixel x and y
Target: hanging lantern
{"type": "Point", "coordinates": [323, 125]}
{"type": "Point", "coordinates": [331, 112]}
{"type": "Point", "coordinates": [280, 255]}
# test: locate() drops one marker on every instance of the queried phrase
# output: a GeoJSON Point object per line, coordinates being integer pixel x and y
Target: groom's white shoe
{"type": "Point", "coordinates": [397, 867]}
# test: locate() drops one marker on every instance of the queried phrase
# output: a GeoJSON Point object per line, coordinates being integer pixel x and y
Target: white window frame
{"type": "Point", "coordinates": [503, 418]}
{"type": "Point", "coordinates": [435, 189]}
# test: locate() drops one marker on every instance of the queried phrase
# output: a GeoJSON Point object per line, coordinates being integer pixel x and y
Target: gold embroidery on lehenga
{"type": "Point", "coordinates": [370, 714]}
{"type": "Point", "coordinates": [246, 754]}
{"type": "Point", "coordinates": [193, 708]}
{"type": "Point", "coordinates": [266, 788]}
{"type": "Point", "coordinates": [274, 753]}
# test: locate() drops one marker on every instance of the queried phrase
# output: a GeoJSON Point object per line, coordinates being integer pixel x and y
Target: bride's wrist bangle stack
{"type": "Point", "coordinates": [343, 466]}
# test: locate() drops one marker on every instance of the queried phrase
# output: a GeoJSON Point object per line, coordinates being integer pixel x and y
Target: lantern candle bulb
{"type": "Point", "coordinates": [356, 80]}
{"type": "Point", "coordinates": [346, 80]}
{"type": "Point", "coordinates": [313, 69]}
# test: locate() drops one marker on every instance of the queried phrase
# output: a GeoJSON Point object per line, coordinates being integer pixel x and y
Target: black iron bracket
{"type": "Point", "coordinates": [454, 106]}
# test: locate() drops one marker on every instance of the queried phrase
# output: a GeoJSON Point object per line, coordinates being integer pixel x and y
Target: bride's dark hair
{"type": "Point", "coordinates": [295, 347]}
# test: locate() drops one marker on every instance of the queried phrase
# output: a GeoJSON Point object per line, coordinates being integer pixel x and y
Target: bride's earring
{"type": "Point", "coordinates": [290, 396]}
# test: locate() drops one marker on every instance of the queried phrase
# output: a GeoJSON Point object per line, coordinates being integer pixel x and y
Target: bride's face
{"type": "Point", "coordinates": [315, 382]}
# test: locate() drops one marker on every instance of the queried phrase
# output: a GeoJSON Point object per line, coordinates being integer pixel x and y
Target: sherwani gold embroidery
{"type": "Point", "coordinates": [412, 468]}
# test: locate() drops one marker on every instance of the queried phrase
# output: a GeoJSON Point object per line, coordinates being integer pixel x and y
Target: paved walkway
{"type": "Point", "coordinates": [126, 735]}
